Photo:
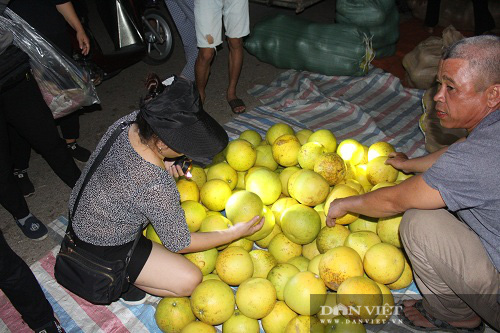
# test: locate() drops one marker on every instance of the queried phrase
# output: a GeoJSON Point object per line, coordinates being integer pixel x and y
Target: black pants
{"type": "Point", "coordinates": [21, 287]}
{"type": "Point", "coordinates": [22, 108]}
{"type": "Point", "coordinates": [483, 21]}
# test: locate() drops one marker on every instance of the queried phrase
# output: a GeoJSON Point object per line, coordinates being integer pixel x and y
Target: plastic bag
{"type": "Point", "coordinates": [65, 86]}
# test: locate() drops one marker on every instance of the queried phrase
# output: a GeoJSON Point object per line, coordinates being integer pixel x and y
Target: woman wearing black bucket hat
{"type": "Point", "coordinates": [134, 184]}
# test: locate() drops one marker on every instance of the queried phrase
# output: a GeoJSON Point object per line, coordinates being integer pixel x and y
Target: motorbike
{"type": "Point", "coordinates": [138, 29]}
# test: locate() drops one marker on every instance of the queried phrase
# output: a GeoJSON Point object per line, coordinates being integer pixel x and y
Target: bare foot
{"type": "Point", "coordinates": [419, 320]}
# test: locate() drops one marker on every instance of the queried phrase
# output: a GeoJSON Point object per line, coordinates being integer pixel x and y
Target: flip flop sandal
{"type": "Point", "coordinates": [441, 326]}
{"type": "Point", "coordinates": [237, 103]}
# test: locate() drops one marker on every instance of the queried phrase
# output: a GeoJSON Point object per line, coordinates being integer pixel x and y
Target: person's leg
{"type": "Point", "coordinates": [182, 12]}
{"type": "Point", "coordinates": [27, 112]}
{"type": "Point", "coordinates": [168, 274]}
{"type": "Point", "coordinates": [235, 64]}
{"type": "Point", "coordinates": [21, 287]}
{"type": "Point", "coordinates": [432, 14]}
{"type": "Point", "coordinates": [451, 268]}
{"type": "Point", "coordinates": [208, 23]}
{"type": "Point", "coordinates": [21, 151]}
{"type": "Point", "coordinates": [483, 21]}
{"type": "Point", "coordinates": [70, 131]}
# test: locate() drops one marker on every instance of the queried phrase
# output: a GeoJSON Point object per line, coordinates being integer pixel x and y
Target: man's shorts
{"type": "Point", "coordinates": [208, 17]}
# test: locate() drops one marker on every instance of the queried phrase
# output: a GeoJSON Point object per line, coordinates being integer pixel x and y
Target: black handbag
{"type": "Point", "coordinates": [97, 280]}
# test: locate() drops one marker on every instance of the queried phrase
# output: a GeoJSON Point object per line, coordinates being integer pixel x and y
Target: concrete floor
{"type": "Point", "coordinates": [120, 96]}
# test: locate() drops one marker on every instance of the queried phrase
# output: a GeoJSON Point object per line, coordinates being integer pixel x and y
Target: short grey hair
{"type": "Point", "coordinates": [483, 55]}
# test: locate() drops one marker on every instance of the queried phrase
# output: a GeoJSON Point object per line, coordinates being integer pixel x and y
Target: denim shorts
{"type": "Point", "coordinates": [209, 15]}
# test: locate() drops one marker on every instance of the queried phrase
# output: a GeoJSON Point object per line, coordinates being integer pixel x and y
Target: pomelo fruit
{"type": "Point", "coordinates": [204, 260]}
{"type": "Point", "coordinates": [263, 262]}
{"type": "Point", "coordinates": [240, 154]}
{"type": "Point", "coordinates": [214, 194]}
{"type": "Point", "coordinates": [242, 206]}
{"type": "Point", "coordinates": [278, 318]}
{"type": "Point", "coordinates": [240, 184]}
{"type": "Point", "coordinates": [266, 184]}
{"type": "Point", "coordinates": [328, 309]}
{"type": "Point", "coordinates": [215, 222]}
{"type": "Point", "coordinates": [404, 280]}
{"type": "Point", "coordinates": [277, 130]}
{"type": "Point", "coordinates": [331, 237]}
{"type": "Point", "coordinates": [387, 303]}
{"type": "Point", "coordinates": [362, 294]}
{"type": "Point", "coordinates": [300, 262]}
{"type": "Point", "coordinates": [355, 185]}
{"type": "Point", "coordinates": [309, 153]}
{"type": "Point", "coordinates": [361, 241]}
{"type": "Point", "coordinates": [264, 242]}
{"type": "Point", "coordinates": [152, 235]}
{"type": "Point", "coordinates": [303, 135]}
{"type": "Point", "coordinates": [341, 191]}
{"type": "Point", "coordinates": [313, 265]}
{"type": "Point", "coordinates": [341, 324]}
{"type": "Point", "coordinates": [225, 172]}
{"type": "Point", "coordinates": [326, 138]}
{"type": "Point", "coordinates": [251, 136]}
{"type": "Point", "coordinates": [279, 276]}
{"type": "Point", "coordinates": [381, 185]}
{"type": "Point", "coordinates": [305, 293]}
{"type": "Point", "coordinates": [173, 314]}
{"type": "Point", "coordinates": [239, 323]}
{"type": "Point", "coordinates": [364, 223]}
{"type": "Point", "coordinates": [351, 150]}
{"type": "Point", "coordinates": [377, 171]}
{"type": "Point", "coordinates": [308, 187]}
{"type": "Point", "coordinates": [331, 167]}
{"type": "Point", "coordinates": [256, 297]}
{"type": "Point", "coordinates": [283, 249]}
{"type": "Point", "coordinates": [301, 224]}
{"type": "Point", "coordinates": [244, 243]}
{"type": "Point", "coordinates": [304, 324]}
{"type": "Point", "coordinates": [380, 148]}
{"type": "Point", "coordinates": [286, 150]}
{"type": "Point", "coordinates": [388, 229]}
{"type": "Point", "coordinates": [310, 250]}
{"type": "Point", "coordinates": [265, 157]}
{"type": "Point", "coordinates": [188, 190]}
{"type": "Point", "coordinates": [234, 265]}
{"type": "Point", "coordinates": [194, 213]}
{"type": "Point", "coordinates": [361, 177]}
{"type": "Point", "coordinates": [212, 302]}
{"type": "Point", "coordinates": [285, 176]}
{"type": "Point", "coordinates": [339, 264]}
{"type": "Point", "coordinates": [280, 205]}
{"type": "Point", "coordinates": [267, 228]}
{"type": "Point", "coordinates": [198, 175]}
{"type": "Point", "coordinates": [403, 176]}
{"type": "Point", "coordinates": [384, 263]}
{"type": "Point", "coordinates": [198, 327]}
{"type": "Point", "coordinates": [211, 276]}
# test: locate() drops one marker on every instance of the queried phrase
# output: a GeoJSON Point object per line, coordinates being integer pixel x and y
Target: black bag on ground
{"type": "Point", "coordinates": [97, 280]}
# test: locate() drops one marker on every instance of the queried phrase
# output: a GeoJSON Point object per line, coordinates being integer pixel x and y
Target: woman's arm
{"type": "Point", "coordinates": [66, 9]}
{"type": "Point", "coordinates": [201, 241]}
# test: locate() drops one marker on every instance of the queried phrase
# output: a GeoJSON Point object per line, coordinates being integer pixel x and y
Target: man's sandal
{"type": "Point", "coordinates": [441, 326]}
{"type": "Point", "coordinates": [235, 104]}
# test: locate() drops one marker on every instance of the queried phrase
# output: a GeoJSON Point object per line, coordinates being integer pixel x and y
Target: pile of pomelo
{"type": "Point", "coordinates": [266, 280]}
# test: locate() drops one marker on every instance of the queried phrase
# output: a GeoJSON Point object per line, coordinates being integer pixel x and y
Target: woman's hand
{"type": "Point", "coordinates": [173, 170]}
{"type": "Point", "coordinates": [335, 211]}
{"type": "Point", "coordinates": [83, 41]}
{"type": "Point", "coordinates": [397, 160]}
{"type": "Point", "coordinates": [245, 229]}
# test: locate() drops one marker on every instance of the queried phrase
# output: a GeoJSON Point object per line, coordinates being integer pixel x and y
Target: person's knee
{"type": "Point", "coordinates": [191, 280]}
{"type": "Point", "coordinates": [235, 43]}
{"type": "Point", "coordinates": [205, 55]}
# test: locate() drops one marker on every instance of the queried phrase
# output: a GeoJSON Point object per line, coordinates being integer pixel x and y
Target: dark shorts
{"type": "Point", "coordinates": [137, 262]}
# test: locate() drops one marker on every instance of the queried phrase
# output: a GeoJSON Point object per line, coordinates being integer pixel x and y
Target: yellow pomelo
{"type": "Point", "coordinates": [204, 260]}
{"type": "Point", "coordinates": [194, 213]}
{"type": "Point", "coordinates": [211, 276]}
{"type": "Point", "coordinates": [277, 130]}
{"type": "Point", "coordinates": [225, 172]}
{"type": "Point", "coordinates": [239, 323]}
{"type": "Point", "coordinates": [361, 176]}
{"type": "Point", "coordinates": [384, 263]}
{"type": "Point", "coordinates": [301, 224]}
{"type": "Point", "coordinates": [388, 229]}
{"type": "Point", "coordinates": [404, 280]}
{"type": "Point", "coordinates": [234, 265]}
{"type": "Point", "coordinates": [303, 135]}
{"type": "Point", "coordinates": [309, 153]}
{"type": "Point", "coordinates": [241, 155]}
{"type": "Point", "coordinates": [240, 184]}
{"type": "Point", "coordinates": [326, 138]}
{"type": "Point", "coordinates": [310, 250]}
{"type": "Point", "coordinates": [263, 262]}
{"type": "Point", "coordinates": [388, 305]}
{"type": "Point", "coordinates": [305, 324]}
{"type": "Point", "coordinates": [266, 184]}
{"type": "Point", "coordinates": [380, 148]}
{"type": "Point", "coordinates": [328, 310]}
{"type": "Point", "coordinates": [331, 166]}
{"type": "Point", "coordinates": [286, 150]}
{"type": "Point", "coordinates": [361, 241]}
{"type": "Point", "coordinates": [360, 293]}
{"type": "Point", "coordinates": [198, 175]}
{"type": "Point", "coordinates": [341, 191]}
{"type": "Point", "coordinates": [350, 171]}
{"type": "Point", "coordinates": [352, 151]}
{"type": "Point", "coordinates": [377, 171]}
{"type": "Point", "coordinates": [341, 324]}
{"type": "Point", "coordinates": [331, 237]}
{"type": "Point", "coordinates": [403, 176]}
{"type": "Point", "coordinates": [381, 185]}
{"type": "Point", "coordinates": [364, 223]}
{"type": "Point", "coordinates": [305, 293]}
{"type": "Point", "coordinates": [280, 205]}
{"type": "Point", "coordinates": [314, 264]}
{"type": "Point", "coordinates": [198, 327]}
{"type": "Point", "coordinates": [256, 297]}
{"type": "Point", "coordinates": [173, 314]}
{"type": "Point", "coordinates": [219, 157]}
{"type": "Point", "coordinates": [252, 170]}
{"type": "Point", "coordinates": [300, 262]}
{"type": "Point", "coordinates": [352, 183]}
{"type": "Point", "coordinates": [265, 157]}
{"type": "Point", "coordinates": [251, 136]}
{"type": "Point", "coordinates": [365, 155]}
{"type": "Point", "coordinates": [308, 187]}
{"type": "Point", "coordinates": [212, 302]}
{"type": "Point", "coordinates": [188, 190]}
{"type": "Point", "coordinates": [152, 235]}
{"type": "Point", "coordinates": [279, 276]}
{"type": "Point", "coordinates": [285, 176]}
{"type": "Point", "coordinates": [276, 321]}
{"type": "Point", "coordinates": [211, 212]}
{"type": "Point", "coordinates": [283, 249]}
{"type": "Point", "coordinates": [214, 194]}
{"type": "Point", "coordinates": [339, 264]}
{"type": "Point", "coordinates": [267, 228]}
{"type": "Point", "coordinates": [244, 243]}
{"type": "Point", "coordinates": [242, 206]}
{"type": "Point", "coordinates": [264, 242]}
{"type": "Point", "coordinates": [215, 222]}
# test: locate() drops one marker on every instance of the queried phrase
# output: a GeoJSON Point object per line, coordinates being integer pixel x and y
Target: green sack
{"type": "Point", "coordinates": [330, 49]}
{"type": "Point", "coordinates": [385, 51]}
{"type": "Point", "coordinates": [364, 13]}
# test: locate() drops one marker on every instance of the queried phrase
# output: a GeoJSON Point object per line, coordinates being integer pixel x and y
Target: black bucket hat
{"type": "Point", "coordinates": [177, 118]}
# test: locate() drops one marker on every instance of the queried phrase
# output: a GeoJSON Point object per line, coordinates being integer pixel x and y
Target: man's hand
{"type": "Point", "coordinates": [245, 229]}
{"type": "Point", "coordinates": [335, 211]}
{"type": "Point", "coordinates": [83, 41]}
{"type": "Point", "coordinates": [398, 161]}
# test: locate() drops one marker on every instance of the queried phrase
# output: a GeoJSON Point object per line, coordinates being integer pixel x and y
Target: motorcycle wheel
{"type": "Point", "coordinates": [158, 37]}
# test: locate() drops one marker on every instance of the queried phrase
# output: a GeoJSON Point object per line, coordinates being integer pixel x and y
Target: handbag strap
{"type": "Point", "coordinates": [100, 157]}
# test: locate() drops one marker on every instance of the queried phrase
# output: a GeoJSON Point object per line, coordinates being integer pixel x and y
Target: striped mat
{"type": "Point", "coordinates": [369, 109]}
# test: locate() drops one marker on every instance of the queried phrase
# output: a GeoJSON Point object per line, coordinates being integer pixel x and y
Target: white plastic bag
{"type": "Point", "coordinates": [65, 86]}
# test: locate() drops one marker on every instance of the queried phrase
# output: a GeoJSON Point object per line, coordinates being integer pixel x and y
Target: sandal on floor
{"type": "Point", "coordinates": [441, 326]}
{"type": "Point", "coordinates": [235, 104]}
